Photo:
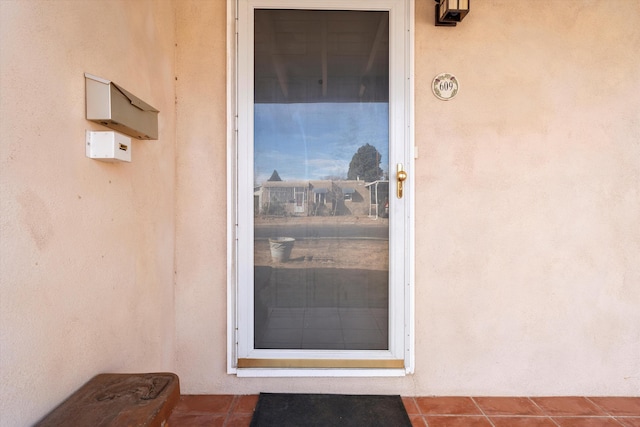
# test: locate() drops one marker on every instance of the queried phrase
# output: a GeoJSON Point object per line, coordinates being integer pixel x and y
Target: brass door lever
{"type": "Point", "coordinates": [402, 176]}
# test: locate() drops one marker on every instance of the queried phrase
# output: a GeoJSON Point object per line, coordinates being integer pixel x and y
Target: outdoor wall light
{"type": "Point", "coordinates": [450, 12]}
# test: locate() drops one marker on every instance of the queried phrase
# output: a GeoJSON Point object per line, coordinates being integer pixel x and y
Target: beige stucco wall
{"type": "Point", "coordinates": [86, 247]}
{"type": "Point", "coordinates": [201, 202]}
{"type": "Point", "coordinates": [527, 201]}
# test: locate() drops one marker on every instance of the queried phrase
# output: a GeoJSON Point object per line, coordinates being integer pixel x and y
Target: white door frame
{"type": "Point", "coordinates": [240, 220]}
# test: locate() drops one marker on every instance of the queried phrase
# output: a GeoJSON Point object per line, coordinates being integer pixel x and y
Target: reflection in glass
{"type": "Point", "coordinates": [321, 149]}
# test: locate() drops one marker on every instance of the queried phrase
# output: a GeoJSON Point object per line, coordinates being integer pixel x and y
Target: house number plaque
{"type": "Point", "coordinates": [445, 86]}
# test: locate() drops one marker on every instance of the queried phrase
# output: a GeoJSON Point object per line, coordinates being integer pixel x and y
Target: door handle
{"type": "Point", "coordinates": [402, 176]}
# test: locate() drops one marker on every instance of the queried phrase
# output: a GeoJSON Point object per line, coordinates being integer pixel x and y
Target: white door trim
{"type": "Point", "coordinates": [239, 229]}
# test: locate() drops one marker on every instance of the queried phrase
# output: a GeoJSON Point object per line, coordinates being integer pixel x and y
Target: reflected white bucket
{"type": "Point", "coordinates": [281, 248]}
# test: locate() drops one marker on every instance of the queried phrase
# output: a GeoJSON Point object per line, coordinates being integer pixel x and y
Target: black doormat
{"type": "Point", "coordinates": [329, 410]}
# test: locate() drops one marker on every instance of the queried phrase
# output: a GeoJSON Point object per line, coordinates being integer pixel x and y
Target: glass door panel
{"type": "Point", "coordinates": [321, 180]}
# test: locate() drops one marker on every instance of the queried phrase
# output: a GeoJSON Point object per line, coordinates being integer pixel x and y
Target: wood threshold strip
{"type": "Point", "coordinates": [322, 363]}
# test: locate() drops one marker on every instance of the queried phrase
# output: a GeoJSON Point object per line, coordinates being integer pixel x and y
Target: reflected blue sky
{"type": "Point", "coordinates": [316, 140]}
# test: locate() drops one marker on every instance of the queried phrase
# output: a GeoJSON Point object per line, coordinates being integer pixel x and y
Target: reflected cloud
{"type": "Point", "coordinates": [315, 140]}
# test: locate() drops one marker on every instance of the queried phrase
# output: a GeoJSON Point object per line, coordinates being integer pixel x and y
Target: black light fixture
{"type": "Point", "coordinates": [450, 12]}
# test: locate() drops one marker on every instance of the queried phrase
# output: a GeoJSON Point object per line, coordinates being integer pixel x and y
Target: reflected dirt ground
{"type": "Point", "coordinates": [341, 252]}
{"type": "Point", "coordinates": [329, 253]}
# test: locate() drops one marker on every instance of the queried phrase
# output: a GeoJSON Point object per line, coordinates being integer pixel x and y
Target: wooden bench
{"type": "Point", "coordinates": [110, 400]}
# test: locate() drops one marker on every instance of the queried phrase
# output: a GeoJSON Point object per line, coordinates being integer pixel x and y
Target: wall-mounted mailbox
{"type": "Point", "coordinates": [108, 146]}
{"type": "Point", "coordinates": [112, 106]}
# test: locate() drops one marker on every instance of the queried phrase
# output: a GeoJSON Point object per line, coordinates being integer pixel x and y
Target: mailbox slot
{"type": "Point", "coordinates": [111, 105]}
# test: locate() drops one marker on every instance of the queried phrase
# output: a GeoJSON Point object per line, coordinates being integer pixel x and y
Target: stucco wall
{"type": "Point", "coordinates": [528, 198]}
{"type": "Point", "coordinates": [528, 201]}
{"type": "Point", "coordinates": [527, 190]}
{"type": "Point", "coordinates": [201, 190]}
{"type": "Point", "coordinates": [86, 247]}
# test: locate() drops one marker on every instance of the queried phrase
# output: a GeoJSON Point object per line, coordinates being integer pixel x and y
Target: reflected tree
{"type": "Point", "coordinates": [365, 164]}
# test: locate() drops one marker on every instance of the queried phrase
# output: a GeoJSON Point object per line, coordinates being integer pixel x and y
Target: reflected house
{"type": "Point", "coordinates": [338, 198]}
{"type": "Point", "coordinates": [323, 198]}
{"type": "Point", "coordinates": [319, 197]}
{"type": "Point", "coordinates": [282, 198]}
{"type": "Point", "coordinates": [353, 197]}
{"type": "Point", "coordinates": [379, 196]}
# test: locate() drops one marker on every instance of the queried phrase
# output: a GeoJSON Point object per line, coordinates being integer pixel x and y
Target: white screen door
{"type": "Point", "coordinates": [322, 222]}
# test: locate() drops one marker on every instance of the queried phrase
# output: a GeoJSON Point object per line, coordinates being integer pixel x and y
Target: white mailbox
{"type": "Point", "coordinates": [112, 106]}
{"type": "Point", "coordinates": [108, 146]}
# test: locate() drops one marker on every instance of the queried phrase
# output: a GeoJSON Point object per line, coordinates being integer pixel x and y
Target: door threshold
{"type": "Point", "coordinates": [317, 372]}
{"type": "Point", "coordinates": [322, 363]}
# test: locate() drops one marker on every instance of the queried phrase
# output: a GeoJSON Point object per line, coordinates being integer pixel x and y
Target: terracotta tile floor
{"type": "Point", "coordinates": [236, 411]}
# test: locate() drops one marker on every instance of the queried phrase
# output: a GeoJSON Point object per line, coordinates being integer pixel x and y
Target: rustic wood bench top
{"type": "Point", "coordinates": [110, 400]}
